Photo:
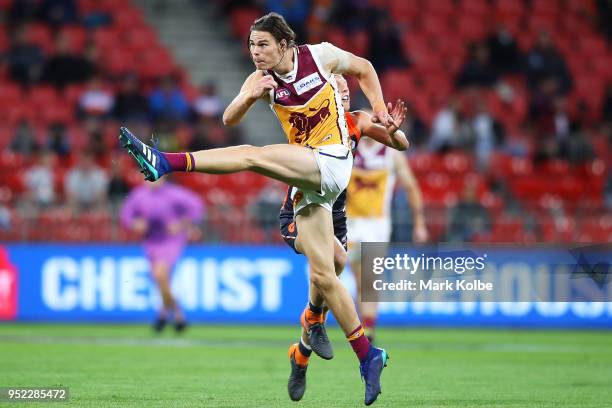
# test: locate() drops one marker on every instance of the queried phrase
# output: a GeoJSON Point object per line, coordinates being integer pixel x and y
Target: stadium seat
{"type": "Point", "coordinates": [40, 34]}
{"type": "Point", "coordinates": [474, 7]}
{"type": "Point", "coordinates": [241, 20]}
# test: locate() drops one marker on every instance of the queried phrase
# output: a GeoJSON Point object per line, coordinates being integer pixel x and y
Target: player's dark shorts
{"type": "Point", "coordinates": [288, 226]}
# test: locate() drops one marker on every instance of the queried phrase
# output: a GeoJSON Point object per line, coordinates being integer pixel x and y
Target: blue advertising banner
{"type": "Point", "coordinates": [233, 284]}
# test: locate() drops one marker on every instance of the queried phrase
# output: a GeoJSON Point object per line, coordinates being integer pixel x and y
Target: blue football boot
{"type": "Point", "coordinates": [151, 161]}
{"type": "Point", "coordinates": [371, 369]}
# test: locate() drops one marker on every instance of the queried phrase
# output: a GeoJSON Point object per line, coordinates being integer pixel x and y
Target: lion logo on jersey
{"type": "Point", "coordinates": [304, 124]}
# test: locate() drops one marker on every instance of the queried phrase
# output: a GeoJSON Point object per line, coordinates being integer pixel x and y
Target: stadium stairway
{"type": "Point", "coordinates": [202, 44]}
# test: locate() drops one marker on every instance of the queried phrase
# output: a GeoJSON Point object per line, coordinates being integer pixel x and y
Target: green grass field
{"type": "Point", "coordinates": [247, 366]}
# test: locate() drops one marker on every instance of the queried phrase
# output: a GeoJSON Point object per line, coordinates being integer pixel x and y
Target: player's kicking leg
{"type": "Point", "coordinates": [291, 164]}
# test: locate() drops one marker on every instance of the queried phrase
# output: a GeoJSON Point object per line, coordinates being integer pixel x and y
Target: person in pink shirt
{"type": "Point", "coordinates": [165, 215]}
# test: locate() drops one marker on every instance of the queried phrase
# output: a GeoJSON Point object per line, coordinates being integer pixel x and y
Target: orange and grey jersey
{"type": "Point", "coordinates": [372, 182]}
{"type": "Point", "coordinates": [307, 102]}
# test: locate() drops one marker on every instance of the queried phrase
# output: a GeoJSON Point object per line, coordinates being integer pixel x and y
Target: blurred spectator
{"type": "Point", "coordinates": [504, 53]}
{"type": "Point", "coordinates": [295, 12]}
{"type": "Point", "coordinates": [208, 103]}
{"type": "Point", "coordinates": [165, 138]}
{"type": "Point", "coordinates": [57, 139]}
{"type": "Point", "coordinates": [199, 137]}
{"type": "Point", "coordinates": [575, 147]}
{"type": "Point", "coordinates": [23, 141]}
{"type": "Point", "coordinates": [24, 59]}
{"type": "Point", "coordinates": [23, 11]}
{"type": "Point", "coordinates": [468, 218]}
{"type": "Point", "coordinates": [541, 109]}
{"type": "Point", "coordinates": [209, 134]}
{"type": "Point", "coordinates": [227, 6]}
{"type": "Point", "coordinates": [85, 184]}
{"type": "Point", "coordinates": [608, 191]}
{"type": "Point", "coordinates": [604, 17]}
{"type": "Point", "coordinates": [40, 182]}
{"type": "Point", "coordinates": [606, 114]}
{"type": "Point", "coordinates": [58, 12]}
{"type": "Point", "coordinates": [385, 50]}
{"type": "Point", "coordinates": [95, 135]}
{"type": "Point", "coordinates": [96, 100]}
{"type": "Point", "coordinates": [545, 63]}
{"type": "Point", "coordinates": [415, 128]}
{"type": "Point", "coordinates": [477, 70]}
{"type": "Point", "coordinates": [20, 12]}
{"type": "Point", "coordinates": [130, 102]}
{"type": "Point", "coordinates": [562, 123]}
{"type": "Point", "coordinates": [5, 211]}
{"type": "Point", "coordinates": [484, 128]}
{"type": "Point", "coordinates": [265, 208]}
{"type": "Point", "coordinates": [168, 101]}
{"type": "Point", "coordinates": [118, 189]}
{"type": "Point", "coordinates": [446, 127]}
{"type": "Point", "coordinates": [350, 15]}
{"type": "Point", "coordinates": [65, 68]}
{"type": "Point", "coordinates": [96, 17]}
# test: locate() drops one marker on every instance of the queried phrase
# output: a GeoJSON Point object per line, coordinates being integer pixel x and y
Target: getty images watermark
{"type": "Point", "coordinates": [501, 273]}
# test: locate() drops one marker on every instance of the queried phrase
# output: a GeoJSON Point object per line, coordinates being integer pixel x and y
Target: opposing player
{"type": "Point", "coordinates": [298, 84]}
{"type": "Point", "coordinates": [375, 171]}
{"type": "Point", "coordinates": [164, 214]}
{"type": "Point", "coordinates": [314, 336]}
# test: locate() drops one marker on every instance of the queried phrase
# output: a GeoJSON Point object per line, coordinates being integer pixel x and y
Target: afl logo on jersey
{"type": "Point", "coordinates": [282, 93]}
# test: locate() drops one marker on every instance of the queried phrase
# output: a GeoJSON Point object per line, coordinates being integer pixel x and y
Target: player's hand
{"type": "Point", "coordinates": [382, 117]}
{"type": "Point", "coordinates": [420, 234]}
{"type": "Point", "coordinates": [263, 86]}
{"type": "Point", "coordinates": [140, 226]}
{"type": "Point", "coordinates": [398, 115]}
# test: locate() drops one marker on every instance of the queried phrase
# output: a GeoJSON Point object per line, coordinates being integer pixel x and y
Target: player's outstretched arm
{"type": "Point", "coordinates": [390, 136]}
{"type": "Point", "coordinates": [409, 183]}
{"type": "Point", "coordinates": [369, 83]}
{"type": "Point", "coordinates": [256, 86]}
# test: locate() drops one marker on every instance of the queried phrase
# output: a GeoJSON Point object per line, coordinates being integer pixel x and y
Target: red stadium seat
{"type": "Point", "coordinates": [241, 21]}
{"type": "Point", "coordinates": [107, 39]}
{"type": "Point", "coordinates": [546, 7]}
{"type": "Point", "coordinates": [10, 94]}
{"type": "Point", "coordinates": [398, 84]}
{"type": "Point", "coordinates": [40, 34]}
{"type": "Point", "coordinates": [472, 28]}
{"type": "Point", "coordinates": [77, 36]}
{"type": "Point", "coordinates": [61, 113]}
{"type": "Point", "coordinates": [405, 11]}
{"type": "Point", "coordinates": [439, 7]}
{"type": "Point", "coordinates": [457, 163]}
{"type": "Point", "coordinates": [509, 8]}
{"type": "Point", "coordinates": [339, 38]}
{"type": "Point", "coordinates": [474, 7]}
{"type": "Point", "coordinates": [128, 18]}
{"type": "Point", "coordinates": [44, 96]}
{"type": "Point", "coordinates": [140, 39]}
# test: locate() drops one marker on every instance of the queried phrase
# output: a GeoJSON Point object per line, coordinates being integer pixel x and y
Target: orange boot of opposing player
{"type": "Point", "coordinates": [299, 355]}
{"type": "Point", "coordinates": [313, 322]}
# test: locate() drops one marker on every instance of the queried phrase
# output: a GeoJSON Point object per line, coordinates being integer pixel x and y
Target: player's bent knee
{"type": "Point", "coordinates": [340, 259]}
{"type": "Point", "coordinates": [322, 280]}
